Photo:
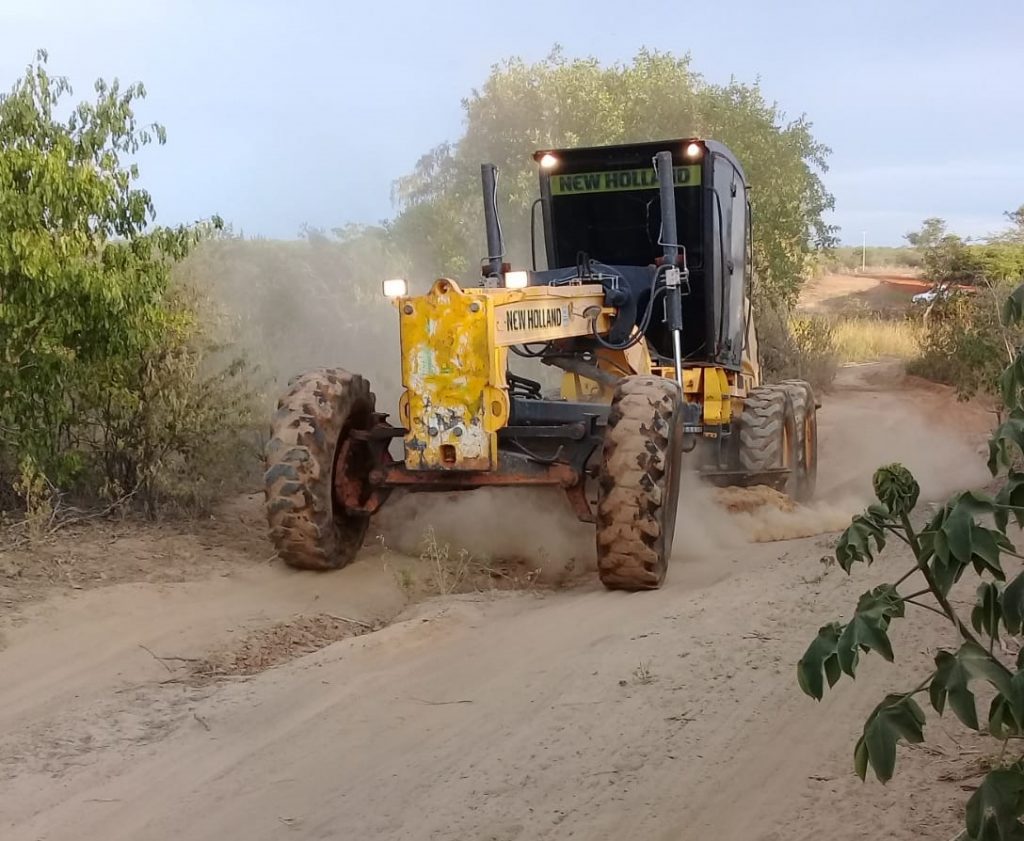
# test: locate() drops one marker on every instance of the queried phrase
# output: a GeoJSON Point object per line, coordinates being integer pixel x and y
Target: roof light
{"type": "Point", "coordinates": [548, 161]}
{"type": "Point", "coordinates": [395, 287]}
{"type": "Point", "coordinates": [517, 280]}
{"type": "Point", "coordinates": [694, 150]}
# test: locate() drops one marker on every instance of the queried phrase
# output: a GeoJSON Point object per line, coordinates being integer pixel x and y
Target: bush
{"type": "Point", "coordinates": [109, 384]}
{"type": "Point", "coordinates": [849, 258]}
{"type": "Point", "coordinates": [965, 345]}
{"type": "Point", "coordinates": [801, 347]}
{"type": "Point", "coordinates": [180, 426]}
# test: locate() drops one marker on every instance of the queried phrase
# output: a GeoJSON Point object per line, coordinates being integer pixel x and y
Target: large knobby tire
{"type": "Point", "coordinates": [308, 527]}
{"type": "Point", "coordinates": [801, 394]}
{"type": "Point", "coordinates": [767, 428]}
{"type": "Point", "coordinates": [639, 483]}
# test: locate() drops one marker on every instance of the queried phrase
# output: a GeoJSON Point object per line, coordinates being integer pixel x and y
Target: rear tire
{"type": "Point", "coordinates": [801, 394]}
{"type": "Point", "coordinates": [308, 527]}
{"type": "Point", "coordinates": [639, 483]}
{"type": "Point", "coordinates": [768, 433]}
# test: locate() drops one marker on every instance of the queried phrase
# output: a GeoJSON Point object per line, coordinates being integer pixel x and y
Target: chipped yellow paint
{"type": "Point", "coordinates": [454, 354]}
{"type": "Point", "coordinates": [454, 394]}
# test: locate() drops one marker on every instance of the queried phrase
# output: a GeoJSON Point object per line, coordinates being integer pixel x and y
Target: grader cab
{"type": "Point", "coordinates": [643, 310]}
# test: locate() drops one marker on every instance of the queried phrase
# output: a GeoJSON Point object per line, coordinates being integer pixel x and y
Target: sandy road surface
{"type": "Point", "coordinates": [495, 716]}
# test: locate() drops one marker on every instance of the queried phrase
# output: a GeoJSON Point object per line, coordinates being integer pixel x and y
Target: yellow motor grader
{"type": "Point", "coordinates": [644, 311]}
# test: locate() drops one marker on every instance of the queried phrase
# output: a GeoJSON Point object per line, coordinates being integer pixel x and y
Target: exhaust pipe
{"type": "Point", "coordinates": [495, 246]}
{"type": "Point", "coordinates": [673, 277]}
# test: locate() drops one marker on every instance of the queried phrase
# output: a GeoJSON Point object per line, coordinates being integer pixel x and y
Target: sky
{"type": "Point", "coordinates": [284, 114]}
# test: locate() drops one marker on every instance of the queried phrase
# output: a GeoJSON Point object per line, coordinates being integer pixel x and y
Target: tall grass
{"type": "Point", "coordinates": [867, 339]}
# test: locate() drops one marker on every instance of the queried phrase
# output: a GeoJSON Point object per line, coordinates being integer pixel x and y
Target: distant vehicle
{"type": "Point", "coordinates": [929, 296]}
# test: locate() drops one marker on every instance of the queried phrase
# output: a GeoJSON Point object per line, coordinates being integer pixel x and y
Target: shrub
{"type": "Point", "coordinates": [965, 345]}
{"type": "Point", "coordinates": [108, 384]}
{"type": "Point", "coordinates": [800, 347]}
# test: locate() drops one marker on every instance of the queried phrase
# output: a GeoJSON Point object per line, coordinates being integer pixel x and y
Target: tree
{"type": "Point", "coordinates": [566, 102]}
{"type": "Point", "coordinates": [930, 234]}
{"type": "Point", "coordinates": [970, 532]}
{"type": "Point", "coordinates": [1016, 231]}
{"type": "Point", "coordinates": [84, 274]}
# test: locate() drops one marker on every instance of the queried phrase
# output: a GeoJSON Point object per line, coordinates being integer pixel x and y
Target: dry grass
{"type": "Point", "coordinates": [446, 570]}
{"type": "Point", "coordinates": [867, 339]}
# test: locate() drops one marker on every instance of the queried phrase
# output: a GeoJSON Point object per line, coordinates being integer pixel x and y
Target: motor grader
{"type": "Point", "coordinates": [643, 314]}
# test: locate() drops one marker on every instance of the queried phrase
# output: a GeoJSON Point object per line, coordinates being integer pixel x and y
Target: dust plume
{"type": "Point", "coordinates": [712, 520]}
{"type": "Point", "coordinates": [938, 439]}
{"type": "Point", "coordinates": [532, 526]}
{"type": "Point", "coordinates": [294, 305]}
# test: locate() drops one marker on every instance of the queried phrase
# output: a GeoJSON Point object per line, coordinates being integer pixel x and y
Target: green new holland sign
{"type": "Point", "coordinates": [620, 179]}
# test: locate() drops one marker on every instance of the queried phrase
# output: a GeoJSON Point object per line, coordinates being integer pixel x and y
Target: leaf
{"type": "Point", "coordinates": [994, 810]}
{"type": "Point", "coordinates": [1010, 496]}
{"type": "Point", "coordinates": [855, 543]}
{"type": "Point", "coordinates": [1011, 381]}
{"type": "Point", "coordinates": [988, 611]}
{"type": "Point", "coordinates": [896, 488]}
{"type": "Point", "coordinates": [897, 717]}
{"type": "Point", "coordinates": [860, 758]}
{"type": "Point", "coordinates": [1012, 604]}
{"type": "Point", "coordinates": [952, 679]}
{"type": "Point", "coordinates": [1013, 307]}
{"type": "Point", "coordinates": [820, 656]}
{"type": "Point", "coordinates": [867, 630]}
{"type": "Point", "coordinates": [1009, 434]}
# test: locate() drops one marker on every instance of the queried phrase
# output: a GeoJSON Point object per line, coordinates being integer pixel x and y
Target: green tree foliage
{"type": "Point", "coordinates": [952, 260]}
{"type": "Point", "coordinates": [965, 344]}
{"type": "Point", "coordinates": [932, 230]}
{"type": "Point", "coordinates": [1015, 233]}
{"type": "Point", "coordinates": [568, 102]}
{"type": "Point", "coordinates": [102, 358]}
{"type": "Point", "coordinates": [969, 534]}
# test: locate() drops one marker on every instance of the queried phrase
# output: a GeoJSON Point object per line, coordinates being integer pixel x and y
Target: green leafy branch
{"type": "Point", "coordinates": [968, 533]}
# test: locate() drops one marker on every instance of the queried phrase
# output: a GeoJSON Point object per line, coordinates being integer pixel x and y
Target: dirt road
{"type": "Point", "coordinates": [126, 711]}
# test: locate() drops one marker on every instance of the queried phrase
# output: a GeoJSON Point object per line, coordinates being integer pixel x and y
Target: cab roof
{"type": "Point", "coordinates": [635, 154]}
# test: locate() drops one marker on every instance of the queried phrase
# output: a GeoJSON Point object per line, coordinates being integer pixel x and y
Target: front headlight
{"type": "Point", "coordinates": [395, 288]}
{"type": "Point", "coordinates": [517, 280]}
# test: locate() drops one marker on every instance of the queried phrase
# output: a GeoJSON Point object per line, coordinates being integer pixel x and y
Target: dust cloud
{"type": "Point", "coordinates": [534, 527]}
{"type": "Point", "coordinates": [940, 441]}
{"type": "Point", "coordinates": [291, 306]}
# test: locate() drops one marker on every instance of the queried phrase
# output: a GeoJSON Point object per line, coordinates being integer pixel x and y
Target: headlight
{"type": "Point", "coordinates": [693, 151]}
{"type": "Point", "coordinates": [517, 280]}
{"type": "Point", "coordinates": [395, 288]}
{"type": "Point", "coordinates": [548, 161]}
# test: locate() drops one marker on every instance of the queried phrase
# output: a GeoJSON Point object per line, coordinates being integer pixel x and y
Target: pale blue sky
{"type": "Point", "coordinates": [284, 113]}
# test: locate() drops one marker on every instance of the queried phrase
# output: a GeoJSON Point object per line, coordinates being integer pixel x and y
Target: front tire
{"type": "Point", "coordinates": [639, 483]}
{"type": "Point", "coordinates": [309, 528]}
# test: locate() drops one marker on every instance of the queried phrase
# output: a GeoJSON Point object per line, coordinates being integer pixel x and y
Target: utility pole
{"type": "Point", "coordinates": [864, 252]}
